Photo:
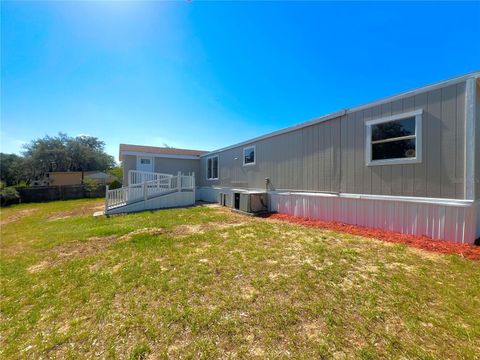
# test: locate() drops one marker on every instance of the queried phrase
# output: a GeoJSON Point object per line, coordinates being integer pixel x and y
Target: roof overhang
{"type": "Point", "coordinates": [437, 85]}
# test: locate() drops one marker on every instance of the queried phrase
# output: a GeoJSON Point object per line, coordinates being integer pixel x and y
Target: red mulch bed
{"type": "Point", "coordinates": [422, 242]}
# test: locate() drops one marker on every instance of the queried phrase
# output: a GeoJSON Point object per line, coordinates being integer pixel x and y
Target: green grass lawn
{"type": "Point", "coordinates": [202, 282]}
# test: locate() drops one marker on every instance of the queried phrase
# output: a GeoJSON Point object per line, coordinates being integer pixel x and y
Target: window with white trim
{"type": "Point", "coordinates": [212, 168]}
{"type": "Point", "coordinates": [395, 139]}
{"type": "Point", "coordinates": [145, 161]}
{"type": "Point", "coordinates": [249, 155]}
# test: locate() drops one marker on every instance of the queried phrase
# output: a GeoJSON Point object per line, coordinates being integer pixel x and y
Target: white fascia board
{"type": "Point", "coordinates": [452, 81]}
{"type": "Point", "coordinates": [434, 86]}
{"type": "Point", "coordinates": [168, 156]}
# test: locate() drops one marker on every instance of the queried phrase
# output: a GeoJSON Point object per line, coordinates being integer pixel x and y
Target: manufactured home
{"type": "Point", "coordinates": [152, 159]}
{"type": "Point", "coordinates": [408, 163]}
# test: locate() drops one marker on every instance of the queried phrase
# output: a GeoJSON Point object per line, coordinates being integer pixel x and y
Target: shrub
{"type": "Point", "coordinates": [90, 184]}
{"type": "Point", "coordinates": [22, 185]}
{"type": "Point", "coordinates": [115, 184]}
{"type": "Point", "coordinates": [117, 173]}
{"type": "Point", "coordinates": [8, 195]}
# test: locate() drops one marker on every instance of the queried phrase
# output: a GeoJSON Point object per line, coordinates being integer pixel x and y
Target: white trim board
{"type": "Point", "coordinates": [421, 200]}
{"type": "Point", "coordinates": [455, 80]}
{"type": "Point", "coordinates": [418, 200]}
{"type": "Point", "coordinates": [168, 156]}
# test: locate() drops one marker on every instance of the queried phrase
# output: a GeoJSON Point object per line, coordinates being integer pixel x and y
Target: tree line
{"type": "Point", "coordinates": [54, 153]}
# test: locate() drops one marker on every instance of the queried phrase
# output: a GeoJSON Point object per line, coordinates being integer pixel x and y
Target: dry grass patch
{"type": "Point", "coordinates": [15, 216]}
{"type": "Point", "coordinates": [86, 210]}
{"type": "Point", "coordinates": [199, 229]}
{"type": "Point", "coordinates": [96, 244]}
{"type": "Point", "coordinates": [73, 250]}
{"type": "Point", "coordinates": [206, 283]}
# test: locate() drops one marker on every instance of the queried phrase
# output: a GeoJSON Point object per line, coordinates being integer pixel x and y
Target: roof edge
{"type": "Point", "coordinates": [163, 147]}
{"type": "Point", "coordinates": [126, 149]}
{"type": "Point", "coordinates": [336, 114]}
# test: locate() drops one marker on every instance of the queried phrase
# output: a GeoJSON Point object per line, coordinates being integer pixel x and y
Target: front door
{"type": "Point", "coordinates": [144, 163]}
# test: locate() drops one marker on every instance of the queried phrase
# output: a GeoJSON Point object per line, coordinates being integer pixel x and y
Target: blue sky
{"type": "Point", "coordinates": [206, 74]}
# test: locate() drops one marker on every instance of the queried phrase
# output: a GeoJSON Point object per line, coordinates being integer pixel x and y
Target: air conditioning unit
{"type": "Point", "coordinates": [251, 202]}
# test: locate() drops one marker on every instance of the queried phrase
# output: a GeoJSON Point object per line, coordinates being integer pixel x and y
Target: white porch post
{"type": "Point", "coordinates": [106, 198]}
{"type": "Point", "coordinates": [145, 191]}
{"type": "Point", "coordinates": [193, 186]}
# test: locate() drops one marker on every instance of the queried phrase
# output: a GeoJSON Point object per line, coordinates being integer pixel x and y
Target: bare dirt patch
{"type": "Point", "coordinates": [79, 211]}
{"type": "Point", "coordinates": [77, 249]}
{"type": "Point", "coordinates": [38, 267]}
{"type": "Point", "coordinates": [91, 246]}
{"type": "Point", "coordinates": [149, 231]}
{"type": "Point", "coordinates": [314, 329]}
{"type": "Point", "coordinates": [248, 292]}
{"type": "Point", "coordinates": [187, 230]}
{"type": "Point", "coordinates": [17, 216]}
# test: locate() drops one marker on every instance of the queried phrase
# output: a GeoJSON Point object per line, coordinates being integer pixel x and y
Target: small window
{"type": "Point", "coordinates": [249, 155]}
{"type": "Point", "coordinates": [394, 139]}
{"type": "Point", "coordinates": [145, 161]}
{"type": "Point", "coordinates": [212, 168]}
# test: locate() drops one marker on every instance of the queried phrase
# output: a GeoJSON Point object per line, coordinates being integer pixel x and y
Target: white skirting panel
{"type": "Point", "coordinates": [437, 221]}
{"type": "Point", "coordinates": [454, 221]}
{"type": "Point", "coordinates": [209, 194]}
{"type": "Point", "coordinates": [176, 199]}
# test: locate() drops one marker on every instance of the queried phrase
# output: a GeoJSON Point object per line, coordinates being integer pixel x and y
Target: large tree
{"type": "Point", "coordinates": [48, 154]}
{"type": "Point", "coordinates": [64, 153]}
{"type": "Point", "coordinates": [87, 153]}
{"type": "Point", "coordinates": [13, 169]}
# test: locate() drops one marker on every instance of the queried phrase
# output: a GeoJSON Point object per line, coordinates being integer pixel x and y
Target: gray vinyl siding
{"type": "Point", "coordinates": [330, 156]}
{"type": "Point", "coordinates": [173, 166]}
{"type": "Point", "coordinates": [129, 163]}
{"type": "Point", "coordinates": [164, 165]}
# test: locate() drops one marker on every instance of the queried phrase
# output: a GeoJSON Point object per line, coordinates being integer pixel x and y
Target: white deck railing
{"type": "Point", "coordinates": [136, 177]}
{"type": "Point", "coordinates": [160, 184]}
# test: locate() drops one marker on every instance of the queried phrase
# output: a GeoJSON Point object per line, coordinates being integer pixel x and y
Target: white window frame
{"type": "Point", "coordinates": [254, 147]}
{"type": "Point", "coordinates": [418, 139]}
{"type": "Point", "coordinates": [218, 167]}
